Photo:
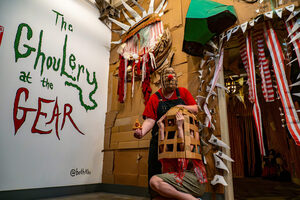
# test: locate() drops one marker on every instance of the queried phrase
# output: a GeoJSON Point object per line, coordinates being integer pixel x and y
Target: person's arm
{"type": "Point", "coordinates": [191, 108]}
{"type": "Point", "coordinates": [146, 127]}
{"type": "Point", "coordinates": [161, 127]}
{"type": "Point", "coordinates": [179, 122]}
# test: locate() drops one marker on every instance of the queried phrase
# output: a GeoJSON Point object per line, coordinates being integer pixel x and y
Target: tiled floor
{"type": "Point", "coordinates": [261, 189]}
{"type": "Point", "coordinates": [244, 189]}
{"type": "Point", "coordinates": [100, 196]}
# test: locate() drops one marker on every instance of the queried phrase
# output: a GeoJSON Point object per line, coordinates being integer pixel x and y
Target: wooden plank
{"type": "Point", "coordinates": [225, 137]}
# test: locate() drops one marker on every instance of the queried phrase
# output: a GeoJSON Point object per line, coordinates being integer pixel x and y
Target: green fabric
{"type": "Point", "coordinates": [189, 185]}
{"type": "Point", "coordinates": [201, 9]}
{"type": "Point", "coordinates": [196, 30]}
{"type": "Point", "coordinates": [196, 27]}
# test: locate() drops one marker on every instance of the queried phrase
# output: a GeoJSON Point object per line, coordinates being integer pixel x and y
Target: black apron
{"type": "Point", "coordinates": [154, 166]}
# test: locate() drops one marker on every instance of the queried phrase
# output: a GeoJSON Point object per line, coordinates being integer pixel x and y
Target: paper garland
{"type": "Point", "coordinates": [268, 14]}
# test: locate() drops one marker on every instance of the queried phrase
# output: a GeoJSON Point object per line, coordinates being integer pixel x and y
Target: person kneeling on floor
{"type": "Point", "coordinates": [182, 179]}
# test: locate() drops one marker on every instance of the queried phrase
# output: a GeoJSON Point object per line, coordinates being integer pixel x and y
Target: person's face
{"type": "Point", "coordinates": [169, 80]}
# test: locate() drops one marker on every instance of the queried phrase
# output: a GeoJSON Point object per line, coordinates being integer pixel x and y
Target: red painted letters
{"type": "Point", "coordinates": [39, 113]}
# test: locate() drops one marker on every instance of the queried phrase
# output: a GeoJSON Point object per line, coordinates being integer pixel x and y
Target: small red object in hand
{"type": "Point", "coordinates": [170, 77]}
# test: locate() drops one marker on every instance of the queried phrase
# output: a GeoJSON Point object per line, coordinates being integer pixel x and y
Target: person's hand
{"type": "Point", "coordinates": [179, 119]}
{"type": "Point", "coordinates": [138, 133]}
{"type": "Point", "coordinates": [160, 122]}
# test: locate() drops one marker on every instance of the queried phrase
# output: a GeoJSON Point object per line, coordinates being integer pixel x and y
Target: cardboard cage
{"type": "Point", "coordinates": [174, 147]}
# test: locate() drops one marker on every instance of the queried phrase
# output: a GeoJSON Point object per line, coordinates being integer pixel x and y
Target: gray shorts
{"type": "Point", "coordinates": [189, 184]}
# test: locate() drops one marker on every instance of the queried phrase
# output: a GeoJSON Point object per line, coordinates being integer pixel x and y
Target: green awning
{"type": "Point", "coordinates": [205, 19]}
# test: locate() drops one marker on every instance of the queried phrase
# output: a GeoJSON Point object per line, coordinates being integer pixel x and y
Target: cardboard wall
{"type": "Point", "coordinates": [121, 140]}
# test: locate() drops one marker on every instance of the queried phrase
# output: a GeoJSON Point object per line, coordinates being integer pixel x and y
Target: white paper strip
{"type": "Point", "coordinates": [235, 29]}
{"type": "Point", "coordinates": [229, 32]}
{"type": "Point", "coordinates": [295, 28]}
{"type": "Point", "coordinates": [223, 87]}
{"type": "Point", "coordinates": [116, 42]}
{"type": "Point", "coordinates": [159, 6]}
{"type": "Point", "coordinates": [297, 95]}
{"type": "Point", "coordinates": [120, 32]}
{"type": "Point", "coordinates": [279, 12]}
{"type": "Point", "coordinates": [257, 18]}
{"type": "Point", "coordinates": [211, 43]}
{"type": "Point", "coordinates": [162, 13]}
{"type": "Point", "coordinates": [202, 63]}
{"type": "Point", "coordinates": [123, 26]}
{"type": "Point", "coordinates": [207, 53]}
{"type": "Point", "coordinates": [203, 142]}
{"type": "Point", "coordinates": [151, 7]}
{"type": "Point", "coordinates": [140, 7]}
{"type": "Point", "coordinates": [295, 38]}
{"type": "Point", "coordinates": [131, 22]}
{"type": "Point", "coordinates": [251, 23]}
{"type": "Point", "coordinates": [136, 16]}
{"type": "Point", "coordinates": [204, 160]}
{"type": "Point", "coordinates": [295, 84]}
{"type": "Point", "coordinates": [292, 15]}
{"type": "Point", "coordinates": [292, 62]}
{"type": "Point", "coordinates": [212, 92]}
{"type": "Point", "coordinates": [244, 26]}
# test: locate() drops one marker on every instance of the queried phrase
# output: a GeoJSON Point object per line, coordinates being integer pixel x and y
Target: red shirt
{"type": "Point", "coordinates": [152, 105]}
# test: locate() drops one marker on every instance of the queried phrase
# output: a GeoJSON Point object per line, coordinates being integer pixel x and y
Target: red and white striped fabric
{"type": "Point", "coordinates": [243, 53]}
{"type": "Point", "coordinates": [289, 26]}
{"type": "Point", "coordinates": [266, 80]}
{"type": "Point", "coordinates": [291, 116]}
{"type": "Point", "coordinates": [256, 108]}
{"type": "Point", "coordinates": [132, 45]}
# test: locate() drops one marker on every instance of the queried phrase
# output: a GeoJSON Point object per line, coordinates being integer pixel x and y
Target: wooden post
{"type": "Point", "coordinates": [229, 195]}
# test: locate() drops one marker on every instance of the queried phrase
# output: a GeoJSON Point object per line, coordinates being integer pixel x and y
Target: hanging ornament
{"type": "Point", "coordinates": [251, 23]}
{"type": "Point", "coordinates": [218, 179]}
{"type": "Point", "coordinates": [220, 164]}
{"type": "Point", "coordinates": [290, 8]}
{"type": "Point", "coordinates": [279, 12]}
{"type": "Point", "coordinates": [244, 26]}
{"type": "Point", "coordinates": [224, 156]}
{"type": "Point", "coordinates": [214, 140]}
{"type": "Point", "coordinates": [269, 14]}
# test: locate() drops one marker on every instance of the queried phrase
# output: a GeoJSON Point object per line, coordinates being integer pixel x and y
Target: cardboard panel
{"type": "Point", "coordinates": [144, 143]}
{"type": "Point", "coordinates": [110, 118]}
{"type": "Point", "coordinates": [107, 138]}
{"type": "Point", "coordinates": [184, 8]}
{"type": "Point", "coordinates": [173, 17]}
{"type": "Point", "coordinates": [143, 181]}
{"type": "Point", "coordinates": [108, 162]}
{"type": "Point", "coordinates": [143, 162]}
{"type": "Point", "coordinates": [179, 57]}
{"type": "Point", "coordinates": [126, 179]}
{"type": "Point", "coordinates": [128, 145]}
{"type": "Point", "coordinates": [126, 161]}
{"type": "Point", "coordinates": [108, 178]}
{"type": "Point", "coordinates": [123, 136]}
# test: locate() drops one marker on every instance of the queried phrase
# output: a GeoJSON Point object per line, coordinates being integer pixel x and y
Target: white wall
{"type": "Point", "coordinates": [30, 158]}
